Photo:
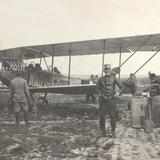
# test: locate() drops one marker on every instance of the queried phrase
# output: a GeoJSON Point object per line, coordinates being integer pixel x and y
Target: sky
{"type": "Point", "coordinates": [35, 22]}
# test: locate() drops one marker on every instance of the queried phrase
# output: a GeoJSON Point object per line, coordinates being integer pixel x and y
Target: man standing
{"type": "Point", "coordinates": [21, 97]}
{"type": "Point", "coordinates": [132, 84]}
{"type": "Point", "coordinates": [155, 82]}
{"type": "Point", "coordinates": [91, 91]}
{"type": "Point", "coordinates": [107, 98]}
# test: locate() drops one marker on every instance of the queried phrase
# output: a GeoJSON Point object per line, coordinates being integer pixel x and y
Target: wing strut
{"type": "Point", "coordinates": [40, 60]}
{"type": "Point", "coordinates": [69, 69]}
{"type": "Point", "coordinates": [46, 63]}
{"type": "Point", "coordinates": [21, 59]}
{"type": "Point", "coordinates": [22, 54]}
{"type": "Point", "coordinates": [4, 55]}
{"type": "Point", "coordinates": [146, 61]}
{"type": "Point", "coordinates": [103, 55]}
{"type": "Point", "coordinates": [53, 57]}
{"type": "Point", "coordinates": [120, 55]}
{"type": "Point", "coordinates": [136, 50]}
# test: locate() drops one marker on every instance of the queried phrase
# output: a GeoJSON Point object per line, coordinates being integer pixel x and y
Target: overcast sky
{"type": "Point", "coordinates": [34, 22]}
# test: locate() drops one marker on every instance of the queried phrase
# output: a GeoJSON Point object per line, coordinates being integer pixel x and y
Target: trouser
{"type": "Point", "coordinates": [26, 117]}
{"type": "Point", "coordinates": [21, 106]}
{"type": "Point", "coordinates": [108, 105]}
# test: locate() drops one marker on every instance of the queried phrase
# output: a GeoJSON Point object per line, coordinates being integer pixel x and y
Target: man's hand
{"type": "Point", "coordinates": [117, 95]}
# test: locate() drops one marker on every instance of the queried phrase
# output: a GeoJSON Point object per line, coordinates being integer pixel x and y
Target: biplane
{"type": "Point", "coordinates": [50, 82]}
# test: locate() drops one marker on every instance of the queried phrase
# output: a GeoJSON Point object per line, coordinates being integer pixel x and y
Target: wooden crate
{"type": "Point", "coordinates": [139, 111]}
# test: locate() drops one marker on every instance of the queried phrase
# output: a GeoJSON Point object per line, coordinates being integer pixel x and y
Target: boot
{"type": "Point", "coordinates": [17, 116]}
{"type": "Point", "coordinates": [102, 126]}
{"type": "Point", "coordinates": [103, 133]}
{"type": "Point", "coordinates": [26, 118]}
{"type": "Point", "coordinates": [113, 126]}
{"type": "Point", "coordinates": [113, 133]}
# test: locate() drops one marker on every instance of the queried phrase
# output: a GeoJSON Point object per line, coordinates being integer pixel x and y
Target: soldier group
{"type": "Point", "coordinates": [106, 90]}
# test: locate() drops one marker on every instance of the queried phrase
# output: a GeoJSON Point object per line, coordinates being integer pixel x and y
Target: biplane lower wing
{"type": "Point", "coordinates": [66, 89]}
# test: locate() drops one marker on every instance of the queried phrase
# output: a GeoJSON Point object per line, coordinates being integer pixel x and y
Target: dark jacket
{"type": "Point", "coordinates": [132, 85]}
{"type": "Point", "coordinates": [155, 89]}
{"type": "Point", "coordinates": [106, 85]}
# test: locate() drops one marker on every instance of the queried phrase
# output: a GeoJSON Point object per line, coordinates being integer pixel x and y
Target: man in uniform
{"type": "Point", "coordinates": [132, 84]}
{"type": "Point", "coordinates": [155, 82]}
{"type": "Point", "coordinates": [91, 91]}
{"type": "Point", "coordinates": [108, 98]}
{"type": "Point", "coordinates": [21, 98]}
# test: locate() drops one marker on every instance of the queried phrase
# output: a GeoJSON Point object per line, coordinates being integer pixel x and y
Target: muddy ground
{"type": "Point", "coordinates": [68, 129]}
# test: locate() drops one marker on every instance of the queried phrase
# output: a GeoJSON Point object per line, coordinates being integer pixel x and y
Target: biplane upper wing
{"type": "Point", "coordinates": [66, 89]}
{"type": "Point", "coordinates": [90, 47]}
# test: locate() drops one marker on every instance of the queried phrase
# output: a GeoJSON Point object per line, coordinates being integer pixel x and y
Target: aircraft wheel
{"type": "Point", "coordinates": [41, 102]}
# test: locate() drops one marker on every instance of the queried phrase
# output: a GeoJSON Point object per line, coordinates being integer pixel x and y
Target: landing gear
{"type": "Point", "coordinates": [41, 102]}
